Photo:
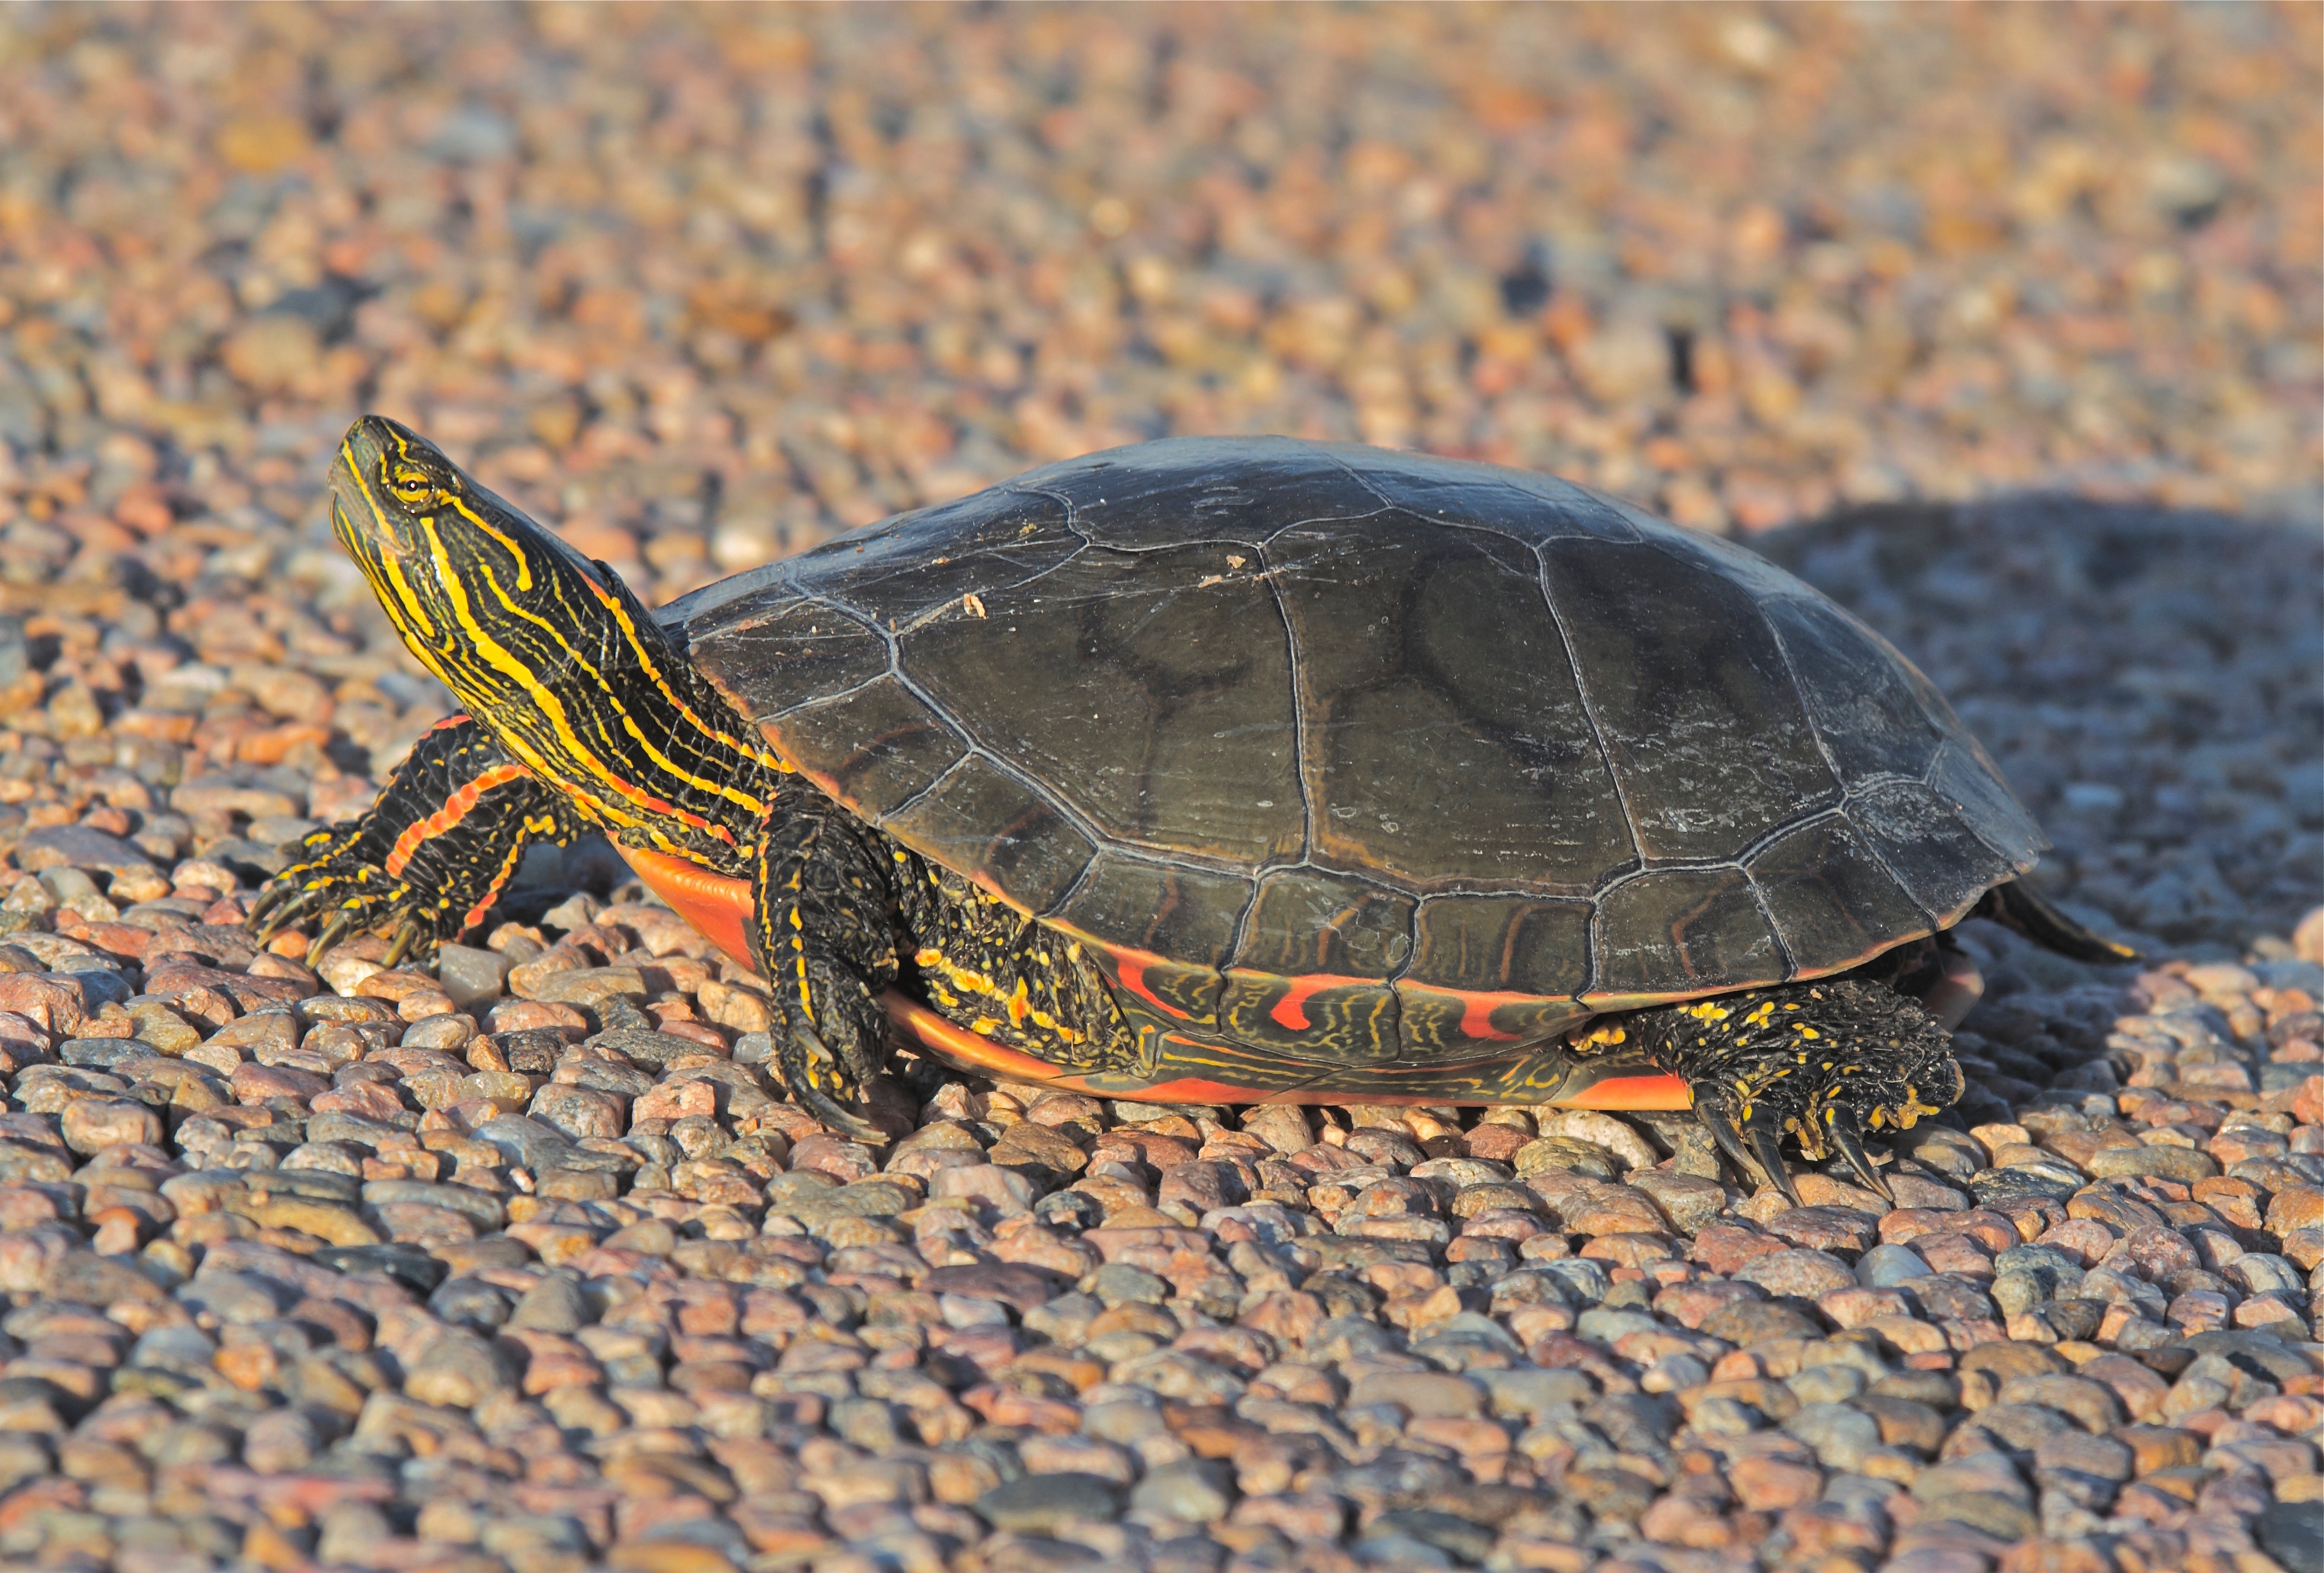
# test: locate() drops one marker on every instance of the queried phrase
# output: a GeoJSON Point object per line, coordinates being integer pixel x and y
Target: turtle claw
{"type": "Point", "coordinates": [272, 915]}
{"type": "Point", "coordinates": [1715, 1119]}
{"type": "Point", "coordinates": [282, 906]}
{"type": "Point", "coordinates": [805, 1061]}
{"type": "Point", "coordinates": [343, 923]}
{"type": "Point", "coordinates": [1755, 1146]}
{"type": "Point", "coordinates": [1842, 1133]}
{"type": "Point", "coordinates": [267, 900]}
{"type": "Point", "coordinates": [406, 937]}
{"type": "Point", "coordinates": [1768, 1150]}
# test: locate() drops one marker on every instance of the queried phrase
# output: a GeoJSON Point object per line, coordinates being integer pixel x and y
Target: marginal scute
{"type": "Point", "coordinates": [1330, 1021]}
{"type": "Point", "coordinates": [1920, 836]}
{"type": "Point", "coordinates": [989, 822]}
{"type": "Point", "coordinates": [1308, 921]}
{"type": "Point", "coordinates": [1162, 993]}
{"type": "Point", "coordinates": [1160, 908]}
{"type": "Point", "coordinates": [1683, 931]}
{"type": "Point", "coordinates": [1831, 898]}
{"type": "Point", "coordinates": [1965, 776]}
{"type": "Point", "coordinates": [1436, 1023]}
{"type": "Point", "coordinates": [1502, 944]}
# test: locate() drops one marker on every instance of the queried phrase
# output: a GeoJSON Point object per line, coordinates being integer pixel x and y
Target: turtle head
{"type": "Point", "coordinates": [548, 649]}
{"type": "Point", "coordinates": [429, 539]}
{"type": "Point", "coordinates": [479, 591]}
{"type": "Point", "coordinates": [489, 601]}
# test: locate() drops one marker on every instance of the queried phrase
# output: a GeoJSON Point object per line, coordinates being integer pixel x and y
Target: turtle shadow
{"type": "Point", "coordinates": [2146, 678]}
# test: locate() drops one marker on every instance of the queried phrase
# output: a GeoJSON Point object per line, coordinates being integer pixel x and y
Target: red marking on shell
{"type": "Point", "coordinates": [719, 905]}
{"type": "Point", "coordinates": [459, 720]}
{"type": "Point", "coordinates": [1290, 1012]}
{"type": "Point", "coordinates": [1477, 1015]}
{"type": "Point", "coordinates": [456, 809]}
{"type": "Point", "coordinates": [967, 1051]}
{"type": "Point", "coordinates": [1130, 966]}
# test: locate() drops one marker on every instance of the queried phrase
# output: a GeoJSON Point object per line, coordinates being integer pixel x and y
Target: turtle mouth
{"type": "Point", "coordinates": [365, 515]}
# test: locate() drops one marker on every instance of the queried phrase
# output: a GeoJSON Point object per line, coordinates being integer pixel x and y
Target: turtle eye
{"type": "Point", "coordinates": [411, 487]}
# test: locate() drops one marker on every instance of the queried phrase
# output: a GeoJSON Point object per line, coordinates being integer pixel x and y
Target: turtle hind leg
{"type": "Point", "coordinates": [2017, 905]}
{"type": "Point", "coordinates": [1821, 1064]}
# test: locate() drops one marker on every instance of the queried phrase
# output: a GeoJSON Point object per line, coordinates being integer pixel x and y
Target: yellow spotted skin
{"type": "Point", "coordinates": [982, 962]}
{"type": "Point", "coordinates": [1809, 1061]}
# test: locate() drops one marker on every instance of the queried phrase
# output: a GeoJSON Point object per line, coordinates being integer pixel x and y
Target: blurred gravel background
{"type": "Point", "coordinates": [703, 284]}
{"type": "Point", "coordinates": [2002, 325]}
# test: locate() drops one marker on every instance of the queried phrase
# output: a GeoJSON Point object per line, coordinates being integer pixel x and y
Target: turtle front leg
{"type": "Point", "coordinates": [431, 856]}
{"type": "Point", "coordinates": [823, 934]}
{"type": "Point", "coordinates": [1822, 1062]}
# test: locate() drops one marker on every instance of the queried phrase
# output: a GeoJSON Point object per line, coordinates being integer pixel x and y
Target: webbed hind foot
{"type": "Point", "coordinates": [1823, 1062]}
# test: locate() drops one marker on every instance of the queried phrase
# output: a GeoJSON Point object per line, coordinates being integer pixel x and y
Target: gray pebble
{"type": "Point", "coordinates": [1119, 1284]}
{"type": "Point", "coordinates": [1839, 1435]}
{"type": "Point", "coordinates": [554, 1305]}
{"type": "Point", "coordinates": [1827, 1385]}
{"type": "Point", "coordinates": [458, 1368]}
{"type": "Point", "coordinates": [1042, 1504]}
{"type": "Point", "coordinates": [1804, 1275]}
{"type": "Point", "coordinates": [1886, 1267]}
{"type": "Point", "coordinates": [472, 978]}
{"type": "Point", "coordinates": [1198, 1490]}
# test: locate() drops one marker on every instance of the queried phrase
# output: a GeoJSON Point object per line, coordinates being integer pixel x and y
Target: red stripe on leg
{"type": "Point", "coordinates": [509, 865]}
{"type": "Point", "coordinates": [456, 809]}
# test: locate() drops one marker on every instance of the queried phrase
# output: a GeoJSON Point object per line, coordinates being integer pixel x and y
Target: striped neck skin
{"type": "Point", "coordinates": [552, 652]}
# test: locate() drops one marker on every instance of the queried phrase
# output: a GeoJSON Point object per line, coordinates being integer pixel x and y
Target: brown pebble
{"type": "Point", "coordinates": [1771, 1485]}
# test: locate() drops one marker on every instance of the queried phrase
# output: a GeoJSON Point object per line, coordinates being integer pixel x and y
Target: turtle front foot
{"type": "Point", "coordinates": [430, 858]}
{"type": "Point", "coordinates": [830, 1058]}
{"type": "Point", "coordinates": [820, 1083]}
{"type": "Point", "coordinates": [338, 884]}
{"type": "Point", "coordinates": [1823, 1062]}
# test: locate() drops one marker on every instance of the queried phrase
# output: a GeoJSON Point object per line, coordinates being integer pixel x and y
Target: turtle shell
{"type": "Point", "coordinates": [1363, 757]}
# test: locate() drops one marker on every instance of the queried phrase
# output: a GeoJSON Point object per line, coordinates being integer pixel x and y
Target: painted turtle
{"type": "Point", "coordinates": [1224, 771]}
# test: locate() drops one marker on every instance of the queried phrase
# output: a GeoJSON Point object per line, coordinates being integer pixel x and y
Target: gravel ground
{"type": "Point", "coordinates": [526, 1265]}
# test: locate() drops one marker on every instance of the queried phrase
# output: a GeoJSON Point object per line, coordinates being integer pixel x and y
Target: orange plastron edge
{"type": "Point", "coordinates": [719, 907]}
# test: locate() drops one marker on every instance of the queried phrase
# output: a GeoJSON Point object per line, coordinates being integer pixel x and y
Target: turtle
{"type": "Point", "coordinates": [1222, 771]}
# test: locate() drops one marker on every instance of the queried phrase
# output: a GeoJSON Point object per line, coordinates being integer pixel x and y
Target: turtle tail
{"type": "Point", "coordinates": [2018, 905]}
